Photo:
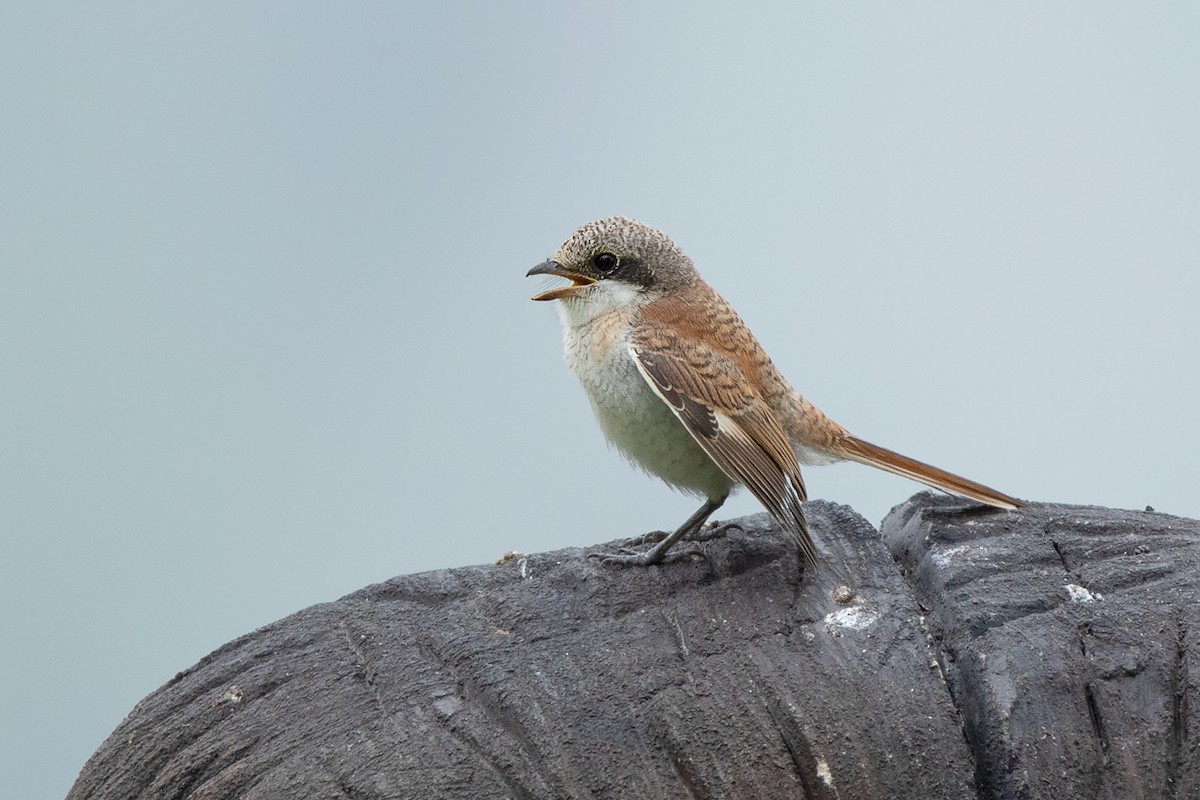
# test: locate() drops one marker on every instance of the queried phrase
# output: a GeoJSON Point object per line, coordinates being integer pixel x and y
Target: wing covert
{"type": "Point", "coordinates": [730, 421]}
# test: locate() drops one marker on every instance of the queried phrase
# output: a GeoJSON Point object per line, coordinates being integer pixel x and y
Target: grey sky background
{"type": "Point", "coordinates": [266, 338]}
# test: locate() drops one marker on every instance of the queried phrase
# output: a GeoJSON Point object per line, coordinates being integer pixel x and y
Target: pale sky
{"type": "Point", "coordinates": [266, 337]}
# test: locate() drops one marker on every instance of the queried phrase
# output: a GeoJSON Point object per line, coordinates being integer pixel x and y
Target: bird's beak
{"type": "Point", "coordinates": [577, 281]}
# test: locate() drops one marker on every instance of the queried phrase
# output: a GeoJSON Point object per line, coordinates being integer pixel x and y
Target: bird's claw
{"type": "Point", "coordinates": [714, 530]}
{"type": "Point", "coordinates": [653, 537]}
{"type": "Point", "coordinates": [627, 557]}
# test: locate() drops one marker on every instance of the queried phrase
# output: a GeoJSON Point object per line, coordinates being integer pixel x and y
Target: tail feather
{"type": "Point", "coordinates": [866, 453]}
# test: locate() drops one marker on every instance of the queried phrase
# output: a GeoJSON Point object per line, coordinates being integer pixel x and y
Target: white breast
{"type": "Point", "coordinates": [632, 416]}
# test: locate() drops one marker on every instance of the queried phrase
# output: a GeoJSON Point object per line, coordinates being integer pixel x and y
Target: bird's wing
{"type": "Point", "coordinates": [709, 395]}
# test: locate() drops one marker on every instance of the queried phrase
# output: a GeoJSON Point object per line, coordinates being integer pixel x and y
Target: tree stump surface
{"type": "Point", "coordinates": [1070, 642]}
{"type": "Point", "coordinates": [1049, 652]}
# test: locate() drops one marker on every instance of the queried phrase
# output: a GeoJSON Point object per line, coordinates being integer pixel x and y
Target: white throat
{"type": "Point", "coordinates": [599, 299]}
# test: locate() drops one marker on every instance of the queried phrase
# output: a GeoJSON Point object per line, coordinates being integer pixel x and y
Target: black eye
{"type": "Point", "coordinates": [605, 262]}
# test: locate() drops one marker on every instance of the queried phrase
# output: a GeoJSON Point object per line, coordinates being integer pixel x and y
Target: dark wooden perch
{"type": "Point", "coordinates": [1045, 653]}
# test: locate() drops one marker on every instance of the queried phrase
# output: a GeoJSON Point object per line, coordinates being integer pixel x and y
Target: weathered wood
{"type": "Point", "coordinates": [740, 677]}
{"type": "Point", "coordinates": [1070, 640]}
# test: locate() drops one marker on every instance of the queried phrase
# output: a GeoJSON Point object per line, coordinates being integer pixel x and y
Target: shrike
{"type": "Point", "coordinates": [684, 390]}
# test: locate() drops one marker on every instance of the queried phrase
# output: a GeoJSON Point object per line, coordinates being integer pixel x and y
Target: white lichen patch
{"type": "Point", "coordinates": [823, 772]}
{"type": "Point", "coordinates": [447, 705]}
{"type": "Point", "coordinates": [854, 618]}
{"type": "Point", "coordinates": [1078, 594]}
{"type": "Point", "coordinates": [943, 557]}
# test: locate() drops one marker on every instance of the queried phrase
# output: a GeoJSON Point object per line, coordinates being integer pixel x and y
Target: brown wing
{"type": "Point", "coordinates": [735, 427]}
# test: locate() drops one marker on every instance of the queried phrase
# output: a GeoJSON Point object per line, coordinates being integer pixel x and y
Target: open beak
{"type": "Point", "coordinates": [577, 281]}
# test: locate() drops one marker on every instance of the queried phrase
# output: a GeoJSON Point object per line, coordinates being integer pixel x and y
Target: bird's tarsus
{"type": "Point", "coordinates": [661, 552]}
{"type": "Point", "coordinates": [714, 530]}
{"type": "Point", "coordinates": [653, 537]}
{"type": "Point", "coordinates": [627, 557]}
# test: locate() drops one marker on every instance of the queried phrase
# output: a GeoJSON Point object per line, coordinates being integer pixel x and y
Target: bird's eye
{"type": "Point", "coordinates": [605, 262]}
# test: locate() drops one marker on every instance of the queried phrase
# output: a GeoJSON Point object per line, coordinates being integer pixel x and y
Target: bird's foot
{"type": "Point", "coordinates": [653, 537]}
{"type": "Point", "coordinates": [714, 530]}
{"type": "Point", "coordinates": [627, 557]}
{"type": "Point", "coordinates": [710, 531]}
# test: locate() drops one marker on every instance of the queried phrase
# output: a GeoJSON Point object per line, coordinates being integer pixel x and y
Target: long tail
{"type": "Point", "coordinates": [866, 453]}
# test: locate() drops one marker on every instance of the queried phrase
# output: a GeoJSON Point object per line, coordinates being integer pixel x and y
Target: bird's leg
{"type": "Point", "coordinates": [650, 537]}
{"type": "Point", "coordinates": [702, 533]}
{"type": "Point", "coordinates": [658, 553]}
{"type": "Point", "coordinates": [714, 530]}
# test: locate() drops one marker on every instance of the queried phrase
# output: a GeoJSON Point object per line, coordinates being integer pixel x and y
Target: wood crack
{"type": "Point", "coordinates": [1180, 687]}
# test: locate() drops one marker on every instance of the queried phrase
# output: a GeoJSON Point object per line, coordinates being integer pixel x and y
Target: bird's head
{"type": "Point", "coordinates": [612, 258]}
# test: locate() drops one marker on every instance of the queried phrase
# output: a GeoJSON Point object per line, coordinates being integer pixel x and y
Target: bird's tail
{"type": "Point", "coordinates": [855, 449]}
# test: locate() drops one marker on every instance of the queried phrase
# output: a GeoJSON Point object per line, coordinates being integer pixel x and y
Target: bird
{"type": "Point", "coordinates": [684, 390]}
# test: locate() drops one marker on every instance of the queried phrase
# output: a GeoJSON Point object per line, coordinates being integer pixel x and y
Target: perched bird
{"type": "Point", "coordinates": [684, 390]}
